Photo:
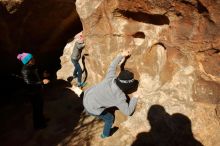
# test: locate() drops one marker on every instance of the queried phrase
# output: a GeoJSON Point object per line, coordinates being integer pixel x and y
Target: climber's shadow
{"type": "Point", "coordinates": [84, 67]}
{"type": "Point", "coordinates": [70, 78]}
{"type": "Point", "coordinates": [166, 130]}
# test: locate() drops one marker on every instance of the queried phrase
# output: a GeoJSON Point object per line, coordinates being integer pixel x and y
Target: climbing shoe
{"type": "Point", "coordinates": [82, 84]}
{"type": "Point", "coordinates": [103, 136]}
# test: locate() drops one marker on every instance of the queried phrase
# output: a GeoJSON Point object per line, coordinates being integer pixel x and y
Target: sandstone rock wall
{"type": "Point", "coordinates": [175, 57]}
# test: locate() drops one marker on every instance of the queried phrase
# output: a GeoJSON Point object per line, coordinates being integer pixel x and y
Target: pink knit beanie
{"type": "Point", "coordinates": [79, 37]}
{"type": "Point", "coordinates": [24, 57]}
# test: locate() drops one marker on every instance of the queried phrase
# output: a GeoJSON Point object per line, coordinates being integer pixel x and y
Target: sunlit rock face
{"type": "Point", "coordinates": [41, 27]}
{"type": "Point", "coordinates": [175, 56]}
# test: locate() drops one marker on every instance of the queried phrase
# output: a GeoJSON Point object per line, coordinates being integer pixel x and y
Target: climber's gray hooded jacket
{"type": "Point", "coordinates": [77, 49]}
{"type": "Point", "coordinates": [107, 94]}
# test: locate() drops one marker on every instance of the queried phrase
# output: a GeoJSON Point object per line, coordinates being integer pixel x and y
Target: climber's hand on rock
{"type": "Point", "coordinates": [126, 53]}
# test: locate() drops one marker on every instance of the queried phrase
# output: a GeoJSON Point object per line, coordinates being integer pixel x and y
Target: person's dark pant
{"type": "Point", "coordinates": [35, 93]}
{"type": "Point", "coordinates": [108, 118]}
{"type": "Point", "coordinates": [77, 71]}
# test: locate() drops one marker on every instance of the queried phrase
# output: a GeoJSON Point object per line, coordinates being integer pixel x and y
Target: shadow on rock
{"type": "Point", "coordinates": [166, 130]}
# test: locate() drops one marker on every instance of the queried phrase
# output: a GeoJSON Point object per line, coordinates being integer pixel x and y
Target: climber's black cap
{"type": "Point", "coordinates": [126, 82]}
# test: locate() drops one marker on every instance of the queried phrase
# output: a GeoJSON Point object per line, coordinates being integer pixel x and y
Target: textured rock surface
{"type": "Point", "coordinates": [175, 57]}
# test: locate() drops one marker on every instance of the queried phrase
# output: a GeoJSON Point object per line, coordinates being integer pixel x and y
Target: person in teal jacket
{"type": "Point", "coordinates": [111, 92]}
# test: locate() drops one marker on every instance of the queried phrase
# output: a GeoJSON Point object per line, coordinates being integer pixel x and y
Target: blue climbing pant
{"type": "Point", "coordinates": [77, 71]}
{"type": "Point", "coordinates": [108, 118]}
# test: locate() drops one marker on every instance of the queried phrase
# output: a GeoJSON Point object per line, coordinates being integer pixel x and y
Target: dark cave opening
{"type": "Point", "coordinates": [155, 19]}
{"type": "Point", "coordinates": [43, 29]}
{"type": "Point", "coordinates": [139, 35]}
